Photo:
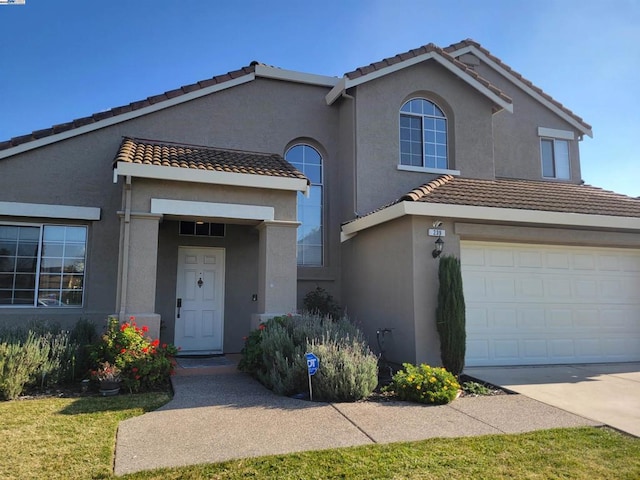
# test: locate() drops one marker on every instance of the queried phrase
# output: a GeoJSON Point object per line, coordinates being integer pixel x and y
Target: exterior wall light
{"type": "Point", "coordinates": [439, 246]}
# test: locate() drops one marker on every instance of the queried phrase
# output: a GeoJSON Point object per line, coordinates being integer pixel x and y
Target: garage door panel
{"type": "Point", "coordinates": [537, 304]}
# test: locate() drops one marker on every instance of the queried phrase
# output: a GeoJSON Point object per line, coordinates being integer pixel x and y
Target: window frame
{"type": "Point", "coordinates": [555, 135]}
{"type": "Point", "coordinates": [423, 141]}
{"type": "Point", "coordinates": [554, 158]}
{"type": "Point", "coordinates": [38, 272]}
{"type": "Point", "coordinates": [300, 201]}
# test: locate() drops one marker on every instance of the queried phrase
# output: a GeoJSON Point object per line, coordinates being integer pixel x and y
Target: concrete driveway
{"type": "Point", "coordinates": [607, 393]}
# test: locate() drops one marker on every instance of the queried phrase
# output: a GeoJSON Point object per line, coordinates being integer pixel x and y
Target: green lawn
{"type": "Point", "coordinates": [74, 439]}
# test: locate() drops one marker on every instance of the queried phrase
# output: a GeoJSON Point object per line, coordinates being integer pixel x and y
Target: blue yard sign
{"type": "Point", "coordinates": [312, 367]}
{"type": "Point", "coordinates": [312, 363]}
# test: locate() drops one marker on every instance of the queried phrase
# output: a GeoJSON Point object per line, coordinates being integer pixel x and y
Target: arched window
{"type": "Point", "coordinates": [423, 135]}
{"type": "Point", "coordinates": [307, 159]}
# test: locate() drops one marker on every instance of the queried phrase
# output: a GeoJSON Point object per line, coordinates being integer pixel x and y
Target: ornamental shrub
{"type": "Point", "coordinates": [144, 363]}
{"type": "Point", "coordinates": [40, 356]}
{"type": "Point", "coordinates": [320, 302]}
{"type": "Point", "coordinates": [450, 315]}
{"type": "Point", "coordinates": [424, 384]}
{"type": "Point", "coordinates": [275, 355]}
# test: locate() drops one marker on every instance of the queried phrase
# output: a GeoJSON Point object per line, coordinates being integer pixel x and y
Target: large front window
{"type": "Point", "coordinates": [42, 265]}
{"type": "Point", "coordinates": [307, 159]}
{"type": "Point", "coordinates": [423, 135]}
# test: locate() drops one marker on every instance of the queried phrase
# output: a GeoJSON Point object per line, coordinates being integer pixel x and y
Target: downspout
{"type": "Point", "coordinates": [125, 247]}
{"type": "Point", "coordinates": [355, 155]}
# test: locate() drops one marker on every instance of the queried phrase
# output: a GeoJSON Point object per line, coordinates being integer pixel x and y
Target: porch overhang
{"type": "Point", "coordinates": [159, 172]}
{"type": "Point", "coordinates": [232, 211]}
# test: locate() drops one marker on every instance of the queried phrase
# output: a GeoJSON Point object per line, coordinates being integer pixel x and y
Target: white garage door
{"type": "Point", "coordinates": [541, 304]}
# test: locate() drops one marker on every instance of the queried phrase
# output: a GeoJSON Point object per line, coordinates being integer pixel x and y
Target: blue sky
{"type": "Point", "coordinates": [64, 59]}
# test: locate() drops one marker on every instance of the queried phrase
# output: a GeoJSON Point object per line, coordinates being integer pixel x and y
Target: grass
{"type": "Point", "coordinates": [65, 438]}
{"type": "Point", "coordinates": [581, 453]}
{"type": "Point", "coordinates": [57, 438]}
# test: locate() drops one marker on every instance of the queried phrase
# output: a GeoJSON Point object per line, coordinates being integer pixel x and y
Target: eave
{"type": "Point", "coordinates": [192, 175]}
{"type": "Point", "coordinates": [489, 214]}
{"type": "Point", "coordinates": [345, 83]}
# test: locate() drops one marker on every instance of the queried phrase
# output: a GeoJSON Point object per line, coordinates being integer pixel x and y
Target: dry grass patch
{"type": "Point", "coordinates": [65, 438]}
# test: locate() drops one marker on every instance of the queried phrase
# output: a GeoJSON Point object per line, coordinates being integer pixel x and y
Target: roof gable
{"type": "Point", "coordinates": [154, 103]}
{"type": "Point", "coordinates": [471, 46]}
{"type": "Point", "coordinates": [412, 57]}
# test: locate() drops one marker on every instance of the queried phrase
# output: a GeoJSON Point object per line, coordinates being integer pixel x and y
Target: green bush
{"type": "Point", "coordinates": [348, 370]}
{"type": "Point", "coordinates": [37, 358]}
{"type": "Point", "coordinates": [450, 315]}
{"type": "Point", "coordinates": [320, 302]}
{"type": "Point", "coordinates": [275, 355]}
{"type": "Point", "coordinates": [20, 361]}
{"type": "Point", "coordinates": [143, 362]}
{"type": "Point", "coordinates": [424, 384]}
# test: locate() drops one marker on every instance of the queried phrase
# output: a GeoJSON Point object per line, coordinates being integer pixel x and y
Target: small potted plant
{"type": "Point", "coordinates": [109, 378]}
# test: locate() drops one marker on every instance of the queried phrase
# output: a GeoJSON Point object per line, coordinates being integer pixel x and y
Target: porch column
{"type": "Point", "coordinates": [137, 269]}
{"type": "Point", "coordinates": [277, 270]}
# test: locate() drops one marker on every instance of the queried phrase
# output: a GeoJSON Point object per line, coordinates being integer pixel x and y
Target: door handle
{"type": "Point", "coordinates": [179, 306]}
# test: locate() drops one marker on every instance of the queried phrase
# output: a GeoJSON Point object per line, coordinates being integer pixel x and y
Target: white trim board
{"type": "Point", "coordinates": [345, 83]}
{"type": "Point", "coordinates": [179, 174]}
{"type": "Point", "coordinates": [123, 117]}
{"type": "Point", "coordinates": [260, 71]}
{"type": "Point", "coordinates": [502, 215]}
{"type": "Point", "coordinates": [41, 210]}
{"type": "Point", "coordinates": [209, 209]}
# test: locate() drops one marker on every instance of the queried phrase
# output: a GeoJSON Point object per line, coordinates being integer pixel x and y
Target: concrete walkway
{"type": "Point", "coordinates": [605, 393]}
{"type": "Point", "coordinates": [219, 414]}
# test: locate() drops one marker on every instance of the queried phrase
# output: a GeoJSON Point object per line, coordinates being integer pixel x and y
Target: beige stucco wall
{"type": "Point", "coordinates": [378, 105]}
{"type": "Point", "coordinates": [517, 144]}
{"type": "Point", "coordinates": [378, 280]}
{"type": "Point", "coordinates": [263, 115]}
{"type": "Point", "coordinates": [391, 278]}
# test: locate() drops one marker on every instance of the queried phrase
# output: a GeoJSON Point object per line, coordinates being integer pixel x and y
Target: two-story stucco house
{"type": "Point", "coordinates": [213, 206]}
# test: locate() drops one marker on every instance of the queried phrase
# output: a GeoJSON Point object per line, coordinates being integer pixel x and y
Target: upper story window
{"type": "Point", "coordinates": [555, 158]}
{"type": "Point", "coordinates": [423, 135]}
{"type": "Point", "coordinates": [307, 159]}
{"type": "Point", "coordinates": [554, 152]}
{"type": "Point", "coordinates": [42, 265]}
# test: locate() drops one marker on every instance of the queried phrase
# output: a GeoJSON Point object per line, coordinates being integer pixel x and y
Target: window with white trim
{"type": "Point", "coordinates": [423, 135]}
{"type": "Point", "coordinates": [309, 243]}
{"type": "Point", "coordinates": [555, 158]}
{"type": "Point", "coordinates": [42, 265]}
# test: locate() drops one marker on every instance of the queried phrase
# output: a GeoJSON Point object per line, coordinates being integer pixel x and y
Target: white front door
{"type": "Point", "coordinates": [200, 300]}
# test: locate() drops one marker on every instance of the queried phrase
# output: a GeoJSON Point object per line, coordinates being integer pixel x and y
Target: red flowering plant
{"type": "Point", "coordinates": [144, 363]}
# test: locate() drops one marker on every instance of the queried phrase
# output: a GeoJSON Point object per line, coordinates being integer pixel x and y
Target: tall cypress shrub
{"type": "Point", "coordinates": [450, 315]}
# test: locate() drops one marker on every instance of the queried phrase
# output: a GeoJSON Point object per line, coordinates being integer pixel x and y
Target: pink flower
{"type": "Point", "coordinates": [132, 318]}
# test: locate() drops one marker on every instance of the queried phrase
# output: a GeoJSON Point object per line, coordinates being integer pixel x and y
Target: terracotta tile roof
{"type": "Point", "coordinates": [96, 117]}
{"type": "Point", "coordinates": [525, 194]}
{"type": "Point", "coordinates": [472, 43]}
{"type": "Point", "coordinates": [151, 152]}
{"type": "Point", "coordinates": [429, 48]}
